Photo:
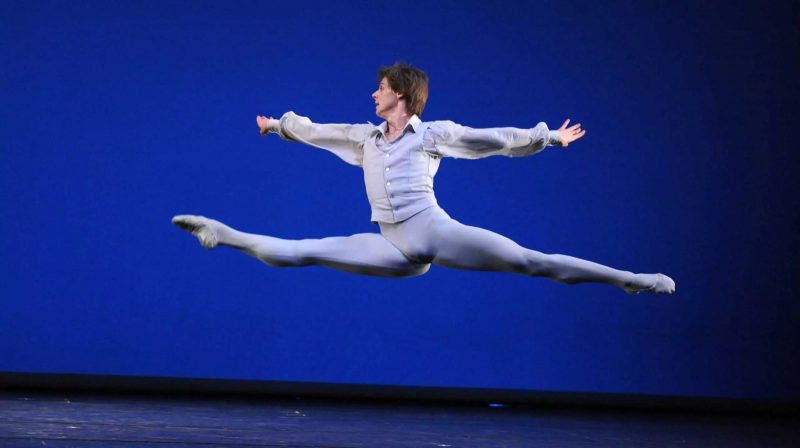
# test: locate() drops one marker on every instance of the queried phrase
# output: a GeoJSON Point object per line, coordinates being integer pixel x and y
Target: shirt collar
{"type": "Point", "coordinates": [413, 122]}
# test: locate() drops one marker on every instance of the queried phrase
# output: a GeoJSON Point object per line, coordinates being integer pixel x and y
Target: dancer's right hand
{"type": "Point", "coordinates": [262, 124]}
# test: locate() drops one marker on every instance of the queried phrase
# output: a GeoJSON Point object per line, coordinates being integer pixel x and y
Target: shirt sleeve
{"type": "Point", "coordinates": [344, 140]}
{"type": "Point", "coordinates": [448, 139]}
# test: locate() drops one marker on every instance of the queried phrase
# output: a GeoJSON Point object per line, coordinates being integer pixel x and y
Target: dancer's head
{"type": "Point", "coordinates": [401, 86]}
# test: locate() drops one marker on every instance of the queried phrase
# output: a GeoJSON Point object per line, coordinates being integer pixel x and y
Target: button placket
{"type": "Point", "coordinates": [388, 183]}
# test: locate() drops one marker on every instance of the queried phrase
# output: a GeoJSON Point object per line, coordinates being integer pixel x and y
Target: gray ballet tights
{"type": "Point", "coordinates": [408, 248]}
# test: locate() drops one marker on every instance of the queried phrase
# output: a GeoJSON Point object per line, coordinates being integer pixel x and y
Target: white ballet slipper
{"type": "Point", "coordinates": [201, 227]}
{"type": "Point", "coordinates": [656, 283]}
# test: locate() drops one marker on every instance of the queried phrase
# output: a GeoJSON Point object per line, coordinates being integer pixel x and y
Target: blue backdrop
{"type": "Point", "coordinates": [118, 115]}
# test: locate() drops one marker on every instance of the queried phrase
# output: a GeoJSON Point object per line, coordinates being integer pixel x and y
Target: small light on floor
{"type": "Point", "coordinates": [496, 405]}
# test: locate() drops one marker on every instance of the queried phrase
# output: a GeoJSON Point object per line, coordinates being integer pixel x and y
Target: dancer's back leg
{"type": "Point", "coordinates": [363, 253]}
{"type": "Point", "coordinates": [455, 245]}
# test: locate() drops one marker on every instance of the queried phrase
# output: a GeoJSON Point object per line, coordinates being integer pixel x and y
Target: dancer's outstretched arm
{"type": "Point", "coordinates": [344, 140]}
{"type": "Point", "coordinates": [449, 139]}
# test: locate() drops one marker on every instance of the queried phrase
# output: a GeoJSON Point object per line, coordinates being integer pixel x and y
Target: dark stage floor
{"type": "Point", "coordinates": [64, 419]}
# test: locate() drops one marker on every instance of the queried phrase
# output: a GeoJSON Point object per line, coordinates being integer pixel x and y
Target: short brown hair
{"type": "Point", "coordinates": [408, 81]}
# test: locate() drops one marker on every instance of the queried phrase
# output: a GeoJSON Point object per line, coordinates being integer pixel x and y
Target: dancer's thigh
{"type": "Point", "coordinates": [362, 253]}
{"type": "Point", "coordinates": [460, 246]}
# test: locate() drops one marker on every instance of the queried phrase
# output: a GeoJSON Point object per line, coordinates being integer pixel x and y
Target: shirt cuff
{"type": "Point", "coordinates": [554, 138]}
{"type": "Point", "coordinates": [273, 125]}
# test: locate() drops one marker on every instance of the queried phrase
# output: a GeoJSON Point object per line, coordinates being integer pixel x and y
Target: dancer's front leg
{"type": "Point", "coordinates": [363, 253]}
{"type": "Point", "coordinates": [465, 247]}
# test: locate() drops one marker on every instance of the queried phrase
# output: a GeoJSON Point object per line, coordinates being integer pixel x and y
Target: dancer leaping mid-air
{"type": "Point", "coordinates": [400, 158]}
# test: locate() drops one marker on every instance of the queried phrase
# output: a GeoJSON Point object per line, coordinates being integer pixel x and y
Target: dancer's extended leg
{"type": "Point", "coordinates": [432, 236]}
{"type": "Point", "coordinates": [363, 253]}
{"type": "Point", "coordinates": [465, 247]}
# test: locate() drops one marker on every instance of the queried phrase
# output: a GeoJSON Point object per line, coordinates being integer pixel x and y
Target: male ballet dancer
{"type": "Point", "coordinates": [400, 158]}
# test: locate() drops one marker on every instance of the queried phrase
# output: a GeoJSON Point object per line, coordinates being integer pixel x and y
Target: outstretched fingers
{"type": "Point", "coordinates": [571, 133]}
{"type": "Point", "coordinates": [572, 130]}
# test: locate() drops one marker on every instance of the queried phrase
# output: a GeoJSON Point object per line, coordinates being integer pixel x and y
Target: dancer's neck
{"type": "Point", "coordinates": [396, 121]}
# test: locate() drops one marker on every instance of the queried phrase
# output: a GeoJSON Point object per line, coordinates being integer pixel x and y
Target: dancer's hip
{"type": "Point", "coordinates": [414, 236]}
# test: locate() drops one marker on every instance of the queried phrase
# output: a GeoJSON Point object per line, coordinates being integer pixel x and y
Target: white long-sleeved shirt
{"type": "Point", "coordinates": [399, 174]}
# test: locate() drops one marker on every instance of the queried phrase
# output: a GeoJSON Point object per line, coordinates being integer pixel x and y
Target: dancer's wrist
{"type": "Point", "coordinates": [555, 138]}
{"type": "Point", "coordinates": [272, 125]}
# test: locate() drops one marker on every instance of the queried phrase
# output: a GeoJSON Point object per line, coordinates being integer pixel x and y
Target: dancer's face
{"type": "Point", "coordinates": [385, 98]}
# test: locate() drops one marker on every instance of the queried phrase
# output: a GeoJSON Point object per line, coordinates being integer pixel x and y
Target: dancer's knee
{"type": "Point", "coordinates": [287, 255]}
{"type": "Point", "coordinates": [538, 264]}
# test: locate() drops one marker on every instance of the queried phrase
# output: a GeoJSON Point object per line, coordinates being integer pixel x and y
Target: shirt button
{"type": "Point", "coordinates": [388, 183]}
{"type": "Point", "coordinates": [387, 168]}
{"type": "Point", "coordinates": [387, 155]}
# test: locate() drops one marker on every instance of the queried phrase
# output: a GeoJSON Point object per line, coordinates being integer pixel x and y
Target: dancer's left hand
{"type": "Point", "coordinates": [570, 134]}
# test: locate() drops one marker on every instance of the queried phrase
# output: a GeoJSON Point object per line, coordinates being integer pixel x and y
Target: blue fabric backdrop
{"type": "Point", "coordinates": [118, 115]}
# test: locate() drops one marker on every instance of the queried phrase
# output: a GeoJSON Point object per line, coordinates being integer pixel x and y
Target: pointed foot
{"type": "Point", "coordinates": [201, 227]}
{"type": "Point", "coordinates": [655, 283]}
